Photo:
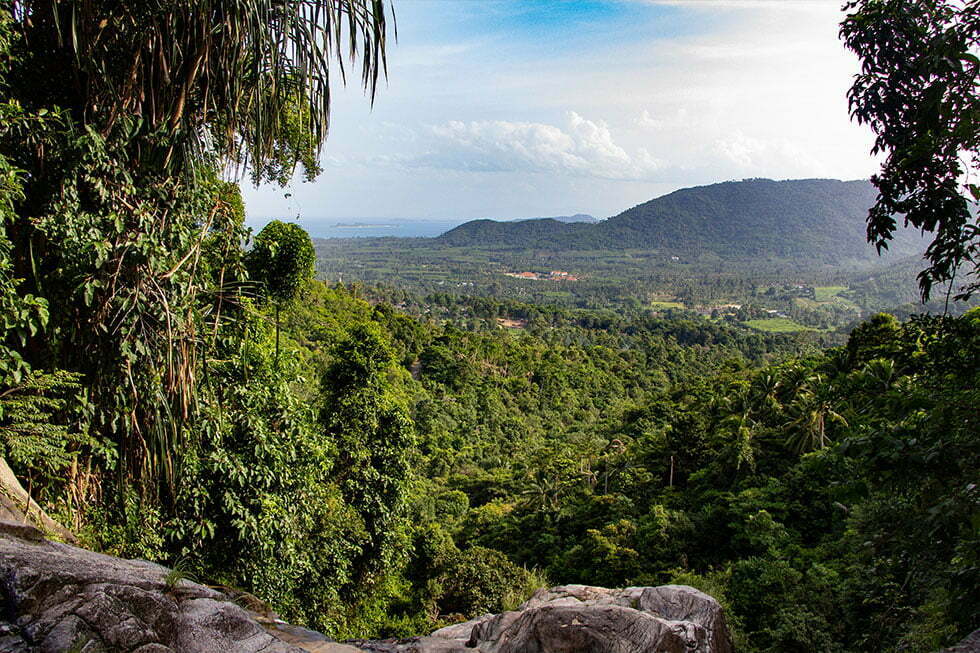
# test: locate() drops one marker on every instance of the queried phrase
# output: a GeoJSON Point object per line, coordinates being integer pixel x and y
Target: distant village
{"type": "Point", "coordinates": [554, 275]}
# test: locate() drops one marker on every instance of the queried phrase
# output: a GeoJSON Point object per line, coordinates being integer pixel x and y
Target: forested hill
{"type": "Point", "coordinates": [814, 219]}
{"type": "Point", "coordinates": [578, 217]}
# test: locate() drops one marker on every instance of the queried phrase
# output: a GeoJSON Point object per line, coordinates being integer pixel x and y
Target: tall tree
{"type": "Point", "coordinates": [282, 259]}
{"type": "Point", "coordinates": [147, 105]}
{"type": "Point", "coordinates": [918, 91]}
{"type": "Point", "coordinates": [365, 416]}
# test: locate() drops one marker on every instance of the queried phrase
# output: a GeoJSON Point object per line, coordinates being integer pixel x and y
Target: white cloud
{"type": "Point", "coordinates": [751, 156]}
{"type": "Point", "coordinates": [647, 121]}
{"type": "Point", "coordinates": [581, 147]}
{"type": "Point", "coordinates": [475, 121]}
{"type": "Point", "coordinates": [739, 149]}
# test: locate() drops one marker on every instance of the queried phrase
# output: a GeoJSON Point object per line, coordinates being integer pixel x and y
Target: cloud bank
{"type": "Point", "coordinates": [515, 108]}
{"type": "Point", "coordinates": [580, 147]}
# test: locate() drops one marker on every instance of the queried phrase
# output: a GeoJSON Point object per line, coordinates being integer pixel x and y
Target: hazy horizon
{"type": "Point", "coordinates": [310, 222]}
{"type": "Point", "coordinates": [504, 109]}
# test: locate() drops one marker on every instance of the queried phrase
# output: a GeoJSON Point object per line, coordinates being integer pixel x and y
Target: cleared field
{"type": "Point", "coordinates": [846, 303]}
{"type": "Point", "coordinates": [660, 304]}
{"type": "Point", "coordinates": [806, 303]}
{"type": "Point", "coordinates": [777, 325]}
{"type": "Point", "coordinates": [826, 293]}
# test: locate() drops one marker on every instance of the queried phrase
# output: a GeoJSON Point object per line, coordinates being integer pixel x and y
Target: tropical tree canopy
{"type": "Point", "coordinates": [282, 258]}
{"type": "Point", "coordinates": [918, 90]}
{"type": "Point", "coordinates": [120, 121]}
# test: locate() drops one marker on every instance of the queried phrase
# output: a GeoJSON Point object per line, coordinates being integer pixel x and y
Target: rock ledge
{"type": "Point", "coordinates": [57, 597]}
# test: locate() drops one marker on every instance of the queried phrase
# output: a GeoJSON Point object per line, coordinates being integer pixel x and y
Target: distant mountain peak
{"type": "Point", "coordinates": [578, 217]}
{"type": "Point", "coordinates": [817, 220]}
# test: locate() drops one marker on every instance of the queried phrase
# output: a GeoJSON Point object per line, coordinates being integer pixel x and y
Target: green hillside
{"type": "Point", "coordinates": [814, 219]}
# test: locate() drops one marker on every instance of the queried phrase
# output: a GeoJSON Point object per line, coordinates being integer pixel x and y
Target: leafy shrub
{"type": "Point", "coordinates": [480, 580]}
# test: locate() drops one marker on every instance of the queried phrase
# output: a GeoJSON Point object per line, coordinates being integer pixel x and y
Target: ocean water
{"type": "Point", "coordinates": [362, 228]}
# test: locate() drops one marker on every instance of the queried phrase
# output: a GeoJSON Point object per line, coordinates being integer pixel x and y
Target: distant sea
{"type": "Point", "coordinates": [370, 228]}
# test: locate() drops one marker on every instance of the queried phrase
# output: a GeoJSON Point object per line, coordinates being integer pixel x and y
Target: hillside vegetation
{"type": "Point", "coordinates": [376, 461]}
{"type": "Point", "coordinates": [817, 220]}
{"type": "Point", "coordinates": [761, 245]}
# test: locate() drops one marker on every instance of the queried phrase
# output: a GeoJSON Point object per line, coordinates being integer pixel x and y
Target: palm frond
{"type": "Point", "coordinates": [205, 78]}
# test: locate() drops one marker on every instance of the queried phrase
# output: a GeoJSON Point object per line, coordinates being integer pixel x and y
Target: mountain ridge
{"type": "Point", "coordinates": [821, 219]}
{"type": "Point", "coordinates": [567, 219]}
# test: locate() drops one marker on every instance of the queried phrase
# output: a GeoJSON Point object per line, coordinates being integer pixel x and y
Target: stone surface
{"type": "Point", "coordinates": [677, 610]}
{"type": "Point", "coordinates": [589, 629]}
{"type": "Point", "coordinates": [584, 619]}
{"type": "Point", "coordinates": [682, 603]}
{"type": "Point", "coordinates": [306, 639]}
{"type": "Point", "coordinates": [461, 631]}
{"type": "Point", "coordinates": [971, 644]}
{"type": "Point", "coordinates": [16, 506]}
{"type": "Point", "coordinates": [57, 597]}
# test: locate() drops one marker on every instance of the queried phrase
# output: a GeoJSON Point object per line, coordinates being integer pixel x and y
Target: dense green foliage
{"type": "Point", "coordinates": [281, 260]}
{"type": "Point", "coordinates": [121, 119]}
{"type": "Point", "coordinates": [139, 400]}
{"type": "Point", "coordinates": [812, 494]}
{"type": "Point", "coordinates": [919, 90]}
{"type": "Point", "coordinates": [412, 460]}
{"type": "Point", "coordinates": [800, 489]}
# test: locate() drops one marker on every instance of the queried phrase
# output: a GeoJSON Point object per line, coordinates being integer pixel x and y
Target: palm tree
{"type": "Point", "coordinates": [764, 394]}
{"type": "Point", "coordinates": [812, 411]}
{"type": "Point", "coordinates": [879, 374]}
{"type": "Point", "coordinates": [191, 80]}
{"type": "Point", "coordinates": [742, 428]}
{"type": "Point", "coordinates": [543, 491]}
{"type": "Point", "coordinates": [153, 103]}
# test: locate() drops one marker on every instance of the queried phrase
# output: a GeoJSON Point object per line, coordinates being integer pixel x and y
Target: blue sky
{"type": "Point", "coordinates": [508, 109]}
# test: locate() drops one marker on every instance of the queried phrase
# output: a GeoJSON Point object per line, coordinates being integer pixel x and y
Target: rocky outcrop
{"type": "Point", "coordinates": [57, 597]}
{"type": "Point", "coordinates": [17, 506]}
{"type": "Point", "coordinates": [971, 644]}
{"type": "Point", "coordinates": [583, 619]}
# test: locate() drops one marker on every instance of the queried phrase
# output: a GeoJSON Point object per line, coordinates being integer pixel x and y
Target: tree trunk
{"type": "Point", "coordinates": [18, 506]}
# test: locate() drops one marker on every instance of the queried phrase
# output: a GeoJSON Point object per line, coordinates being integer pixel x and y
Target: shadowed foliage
{"type": "Point", "coordinates": [918, 90]}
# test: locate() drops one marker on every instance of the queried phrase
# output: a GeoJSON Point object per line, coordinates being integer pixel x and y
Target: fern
{"type": "Point", "coordinates": [32, 432]}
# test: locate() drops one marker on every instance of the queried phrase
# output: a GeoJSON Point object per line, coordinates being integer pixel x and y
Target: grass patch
{"type": "Point", "coordinates": [659, 304]}
{"type": "Point", "coordinates": [806, 303]}
{"type": "Point", "coordinates": [827, 293]}
{"type": "Point", "coordinates": [846, 303]}
{"type": "Point", "coordinates": [777, 325]}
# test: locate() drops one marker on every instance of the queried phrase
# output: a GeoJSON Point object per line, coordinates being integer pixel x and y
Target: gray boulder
{"type": "Point", "coordinates": [589, 619]}
{"type": "Point", "coordinates": [588, 629]}
{"type": "Point", "coordinates": [58, 597]}
{"type": "Point", "coordinates": [970, 644]}
{"type": "Point", "coordinates": [584, 619]}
